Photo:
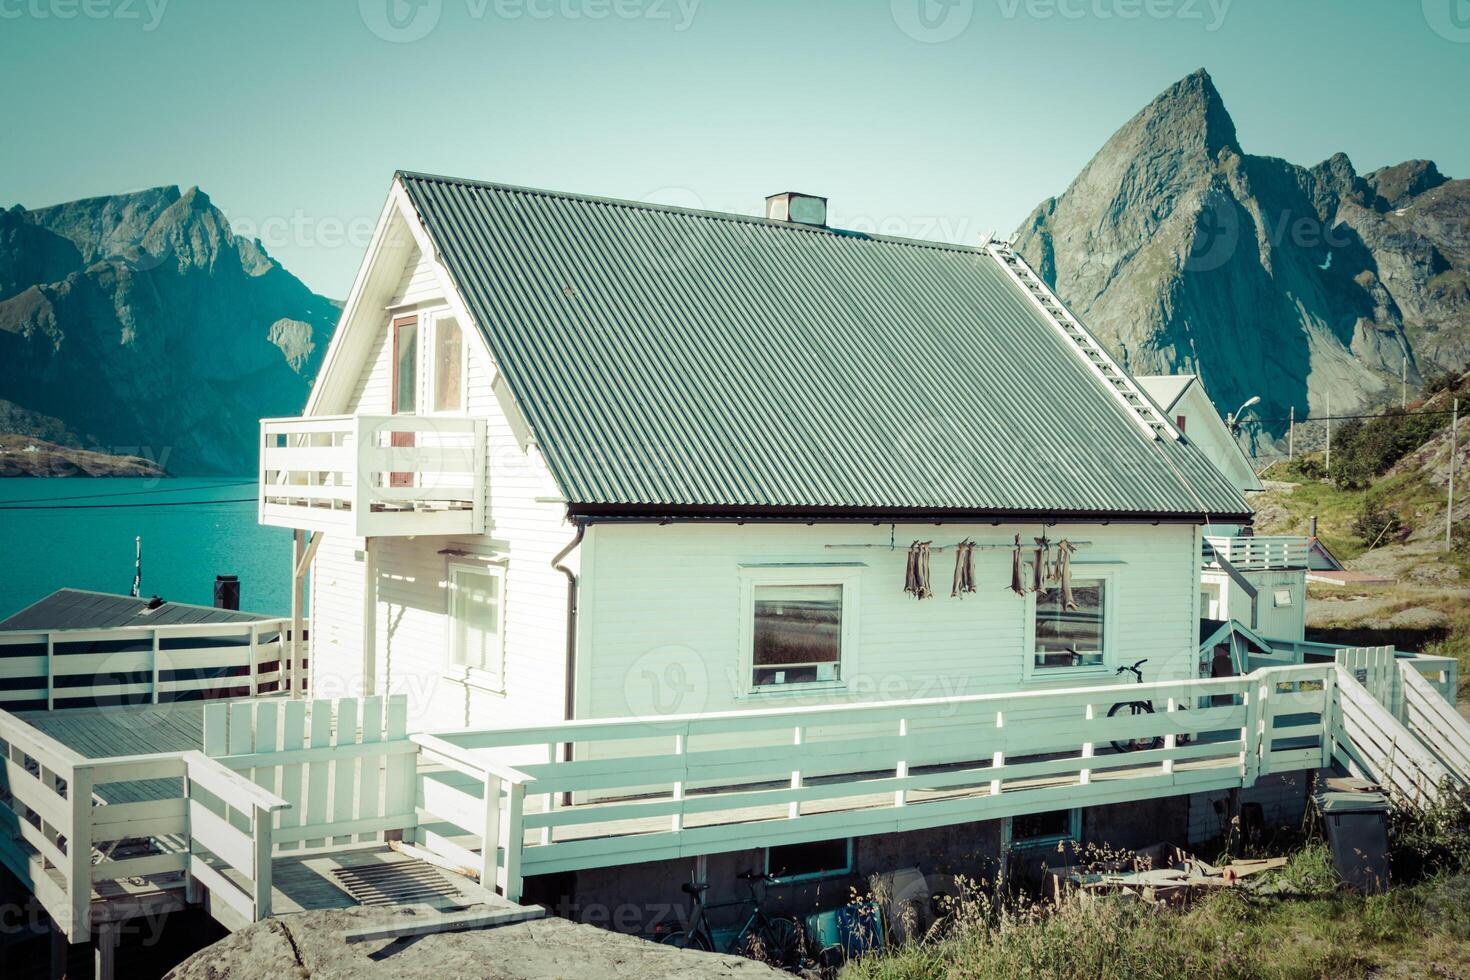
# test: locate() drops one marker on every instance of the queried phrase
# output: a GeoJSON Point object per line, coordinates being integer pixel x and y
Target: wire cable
{"type": "Point", "coordinates": [126, 493]}
{"type": "Point", "coordinates": [159, 503]}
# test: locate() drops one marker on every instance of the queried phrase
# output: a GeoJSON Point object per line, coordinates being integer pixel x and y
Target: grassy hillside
{"type": "Point", "coordinates": [1381, 508]}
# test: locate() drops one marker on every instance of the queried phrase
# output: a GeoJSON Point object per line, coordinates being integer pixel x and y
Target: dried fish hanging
{"type": "Point", "coordinates": [1062, 572]}
{"type": "Point", "coordinates": [1018, 586]}
{"type": "Point", "coordinates": [916, 578]}
{"type": "Point", "coordinates": [1041, 568]}
{"type": "Point", "coordinates": [964, 568]}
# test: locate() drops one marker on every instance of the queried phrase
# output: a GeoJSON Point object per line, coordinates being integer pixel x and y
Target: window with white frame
{"type": "Point", "coordinates": [449, 362]}
{"type": "Point", "coordinates": [800, 625]}
{"type": "Point", "coordinates": [476, 621]}
{"type": "Point", "coordinates": [1071, 636]}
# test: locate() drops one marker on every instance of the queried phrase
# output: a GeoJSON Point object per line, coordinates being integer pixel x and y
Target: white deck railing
{"type": "Point", "coordinates": [653, 789]}
{"type": "Point", "coordinates": [142, 664]}
{"type": "Point", "coordinates": [1255, 553]}
{"type": "Point", "coordinates": [373, 475]}
{"type": "Point", "coordinates": [215, 833]}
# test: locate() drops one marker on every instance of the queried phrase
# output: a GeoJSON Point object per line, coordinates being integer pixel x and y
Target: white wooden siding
{"type": "Point", "coordinates": [661, 612]}
{"type": "Point", "coordinates": [524, 528]}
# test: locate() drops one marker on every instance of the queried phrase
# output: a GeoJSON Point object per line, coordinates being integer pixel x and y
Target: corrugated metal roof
{"type": "Point", "coordinates": [682, 361]}
{"type": "Point", "coordinates": [80, 609]}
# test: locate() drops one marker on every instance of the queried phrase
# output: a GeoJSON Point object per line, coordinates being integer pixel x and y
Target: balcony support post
{"type": "Point", "coordinates": [298, 596]}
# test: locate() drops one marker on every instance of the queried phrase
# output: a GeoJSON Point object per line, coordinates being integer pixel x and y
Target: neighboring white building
{"type": "Point", "coordinates": [1182, 398]}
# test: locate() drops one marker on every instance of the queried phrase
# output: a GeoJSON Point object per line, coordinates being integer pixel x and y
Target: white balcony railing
{"type": "Point", "coordinates": [373, 475]}
{"type": "Point", "coordinates": [1250, 554]}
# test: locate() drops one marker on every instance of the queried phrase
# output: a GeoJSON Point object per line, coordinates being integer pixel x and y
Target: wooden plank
{"type": "Point", "coordinates": [370, 802]}
{"type": "Point", "coordinates": [137, 867]}
{"type": "Point", "coordinates": [293, 737]}
{"type": "Point", "coordinates": [344, 788]}
{"type": "Point", "coordinates": [427, 925]}
{"type": "Point", "coordinates": [225, 892]}
{"type": "Point", "coordinates": [221, 838]}
{"type": "Point", "coordinates": [318, 773]}
{"type": "Point", "coordinates": [399, 771]}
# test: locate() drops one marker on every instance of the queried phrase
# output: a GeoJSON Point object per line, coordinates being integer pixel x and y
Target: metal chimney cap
{"type": "Point", "coordinates": [797, 208]}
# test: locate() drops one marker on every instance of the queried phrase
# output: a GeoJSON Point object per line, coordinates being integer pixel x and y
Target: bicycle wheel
{"type": "Point", "coordinates": [782, 936]}
{"type": "Point", "coordinates": [1135, 744]}
{"type": "Point", "coordinates": [688, 939]}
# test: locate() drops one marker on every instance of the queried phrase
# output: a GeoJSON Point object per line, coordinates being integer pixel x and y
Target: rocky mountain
{"type": "Point", "coordinates": [139, 323]}
{"type": "Point", "coordinates": [1187, 254]}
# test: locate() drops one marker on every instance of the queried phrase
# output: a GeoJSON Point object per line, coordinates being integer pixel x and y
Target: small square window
{"type": "Point", "coordinates": [1071, 637]}
{"type": "Point", "coordinates": [1049, 827]}
{"type": "Point", "coordinates": [1282, 598]}
{"type": "Point", "coordinates": [797, 634]}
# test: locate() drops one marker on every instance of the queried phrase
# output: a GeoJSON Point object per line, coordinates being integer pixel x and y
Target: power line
{"type": "Point", "coordinates": [1344, 418]}
{"type": "Point", "coordinates": [127, 493]}
{"type": "Point", "coordinates": [160, 503]}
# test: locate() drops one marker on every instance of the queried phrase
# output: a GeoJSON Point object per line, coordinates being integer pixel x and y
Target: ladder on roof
{"type": "Point", "coordinates": [1080, 339]}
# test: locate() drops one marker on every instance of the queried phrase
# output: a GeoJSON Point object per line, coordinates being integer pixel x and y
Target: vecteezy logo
{"type": "Point", "coordinates": [1450, 19]}
{"type": "Point", "coordinates": [669, 680]}
{"type": "Point", "coordinates": [1217, 232]}
{"type": "Point", "coordinates": [932, 21]}
{"type": "Point", "coordinates": [400, 21]}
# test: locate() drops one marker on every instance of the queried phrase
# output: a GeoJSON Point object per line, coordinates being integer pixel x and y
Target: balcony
{"type": "Point", "coordinates": [1252, 554]}
{"type": "Point", "coordinates": [373, 475]}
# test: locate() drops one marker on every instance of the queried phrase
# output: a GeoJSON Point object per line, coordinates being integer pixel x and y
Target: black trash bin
{"type": "Point", "coordinates": [1355, 816]}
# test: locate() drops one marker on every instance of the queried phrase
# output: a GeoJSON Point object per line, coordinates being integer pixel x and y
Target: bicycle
{"type": "Point", "coordinates": [776, 939]}
{"type": "Point", "coordinates": [1135, 708]}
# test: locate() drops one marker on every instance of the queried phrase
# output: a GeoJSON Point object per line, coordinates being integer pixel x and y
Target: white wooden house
{"type": "Point", "coordinates": [616, 521]}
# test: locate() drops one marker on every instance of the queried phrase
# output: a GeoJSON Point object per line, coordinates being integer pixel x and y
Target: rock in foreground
{"type": "Point", "coordinates": [311, 945]}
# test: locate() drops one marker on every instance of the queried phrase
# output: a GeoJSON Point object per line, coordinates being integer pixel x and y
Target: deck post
{"type": "Point", "coordinates": [515, 838]}
{"type": "Point", "coordinates": [298, 550]}
{"type": "Point", "coordinates": [1329, 716]}
{"type": "Point", "coordinates": [491, 838]}
{"type": "Point", "coordinates": [999, 758]}
{"type": "Point", "coordinates": [50, 671]}
{"type": "Point", "coordinates": [798, 736]}
{"type": "Point", "coordinates": [153, 687]}
{"type": "Point", "coordinates": [676, 822]}
{"type": "Point", "coordinates": [1171, 738]}
{"type": "Point", "coordinates": [901, 797]}
{"type": "Point", "coordinates": [1084, 777]}
{"type": "Point", "coordinates": [105, 957]}
{"type": "Point", "coordinates": [1251, 734]}
{"type": "Point", "coordinates": [79, 851]}
{"type": "Point", "coordinates": [260, 875]}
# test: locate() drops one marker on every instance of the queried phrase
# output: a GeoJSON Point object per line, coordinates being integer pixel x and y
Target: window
{"type": "Point", "coordinates": [818, 859]}
{"type": "Point", "coordinates": [449, 365]}
{"type": "Point", "coordinates": [476, 617]}
{"type": "Point", "coordinates": [1282, 598]}
{"type": "Point", "coordinates": [799, 625]}
{"type": "Point", "coordinates": [405, 364]}
{"type": "Point", "coordinates": [1076, 637]}
{"type": "Point", "coordinates": [1042, 829]}
{"type": "Point", "coordinates": [798, 634]}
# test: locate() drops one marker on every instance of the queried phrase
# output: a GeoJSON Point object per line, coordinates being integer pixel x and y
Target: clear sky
{"type": "Point", "coordinates": [931, 118]}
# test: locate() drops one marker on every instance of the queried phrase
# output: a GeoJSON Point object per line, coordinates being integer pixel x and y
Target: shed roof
{"type": "Point", "coordinates": [81, 609]}
{"type": "Point", "coordinates": [1164, 389]}
{"type": "Point", "coordinates": [688, 363]}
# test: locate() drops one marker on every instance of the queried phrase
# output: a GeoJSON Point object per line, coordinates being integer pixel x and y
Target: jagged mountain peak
{"type": "Point", "coordinates": [1186, 254]}
{"type": "Point", "coordinates": [1398, 183]}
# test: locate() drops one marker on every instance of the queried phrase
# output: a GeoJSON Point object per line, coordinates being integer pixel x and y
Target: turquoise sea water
{"type": "Point", "coordinates": [77, 533]}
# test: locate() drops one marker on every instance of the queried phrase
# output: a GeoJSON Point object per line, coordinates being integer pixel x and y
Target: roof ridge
{"type": "Point", "coordinates": [731, 216]}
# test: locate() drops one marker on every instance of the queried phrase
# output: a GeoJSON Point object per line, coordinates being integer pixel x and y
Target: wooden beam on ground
{"type": "Point", "coordinates": [426, 925]}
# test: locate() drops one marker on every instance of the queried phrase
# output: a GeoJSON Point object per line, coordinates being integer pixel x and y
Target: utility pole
{"type": "Point", "coordinates": [137, 567]}
{"type": "Point", "coordinates": [1329, 434]}
{"type": "Point", "coordinates": [1449, 507]}
{"type": "Point", "coordinates": [1291, 435]}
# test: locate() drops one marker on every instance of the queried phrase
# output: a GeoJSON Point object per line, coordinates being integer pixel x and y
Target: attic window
{"type": "Point", "coordinates": [449, 365]}
{"type": "Point", "coordinates": [1179, 422]}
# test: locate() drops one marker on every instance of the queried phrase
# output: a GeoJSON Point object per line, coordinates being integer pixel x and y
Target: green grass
{"type": "Point", "coordinates": [1314, 931]}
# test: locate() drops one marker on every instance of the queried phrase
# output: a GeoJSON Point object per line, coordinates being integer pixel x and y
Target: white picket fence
{"type": "Point", "coordinates": [143, 664]}
{"type": "Point", "coordinates": [345, 768]}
